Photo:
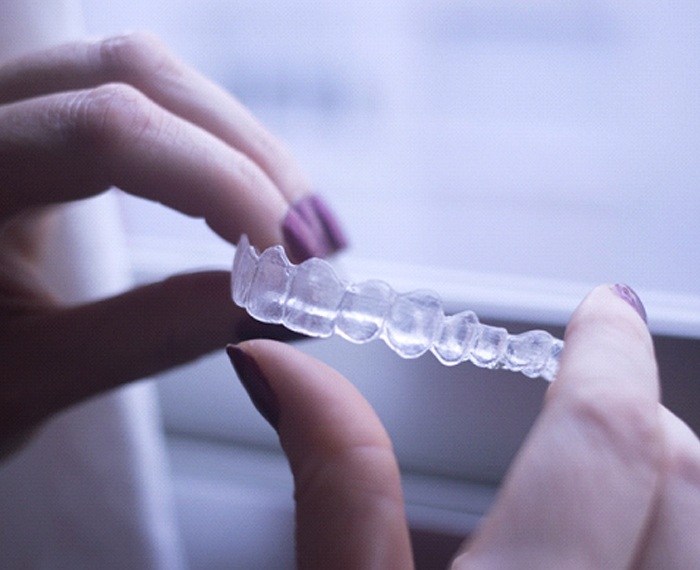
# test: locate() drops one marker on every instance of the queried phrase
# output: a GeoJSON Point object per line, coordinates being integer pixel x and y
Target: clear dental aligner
{"type": "Point", "coordinates": [311, 299]}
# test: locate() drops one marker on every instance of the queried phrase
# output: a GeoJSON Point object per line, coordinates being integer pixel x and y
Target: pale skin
{"type": "Point", "coordinates": [122, 112]}
{"type": "Point", "coordinates": [608, 478]}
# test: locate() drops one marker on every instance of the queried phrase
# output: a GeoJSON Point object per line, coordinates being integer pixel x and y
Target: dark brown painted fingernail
{"type": "Point", "coordinates": [251, 376]}
{"type": "Point", "coordinates": [310, 229]}
{"type": "Point", "coordinates": [626, 293]}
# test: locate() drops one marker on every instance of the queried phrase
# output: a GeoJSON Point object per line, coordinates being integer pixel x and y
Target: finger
{"type": "Point", "coordinates": [140, 64]}
{"type": "Point", "coordinates": [349, 503]}
{"type": "Point", "coordinates": [672, 541]}
{"type": "Point", "coordinates": [143, 62]}
{"type": "Point", "coordinates": [59, 357]}
{"type": "Point", "coordinates": [75, 144]}
{"type": "Point", "coordinates": [582, 486]}
{"type": "Point", "coordinates": [23, 243]}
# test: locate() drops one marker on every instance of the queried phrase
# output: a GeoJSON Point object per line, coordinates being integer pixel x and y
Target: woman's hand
{"type": "Point", "coordinates": [607, 478]}
{"type": "Point", "coordinates": [78, 119]}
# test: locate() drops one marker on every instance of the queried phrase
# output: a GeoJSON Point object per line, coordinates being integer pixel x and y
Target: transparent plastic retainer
{"type": "Point", "coordinates": [311, 299]}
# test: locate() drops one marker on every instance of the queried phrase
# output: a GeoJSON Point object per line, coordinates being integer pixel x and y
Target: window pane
{"type": "Point", "coordinates": [555, 139]}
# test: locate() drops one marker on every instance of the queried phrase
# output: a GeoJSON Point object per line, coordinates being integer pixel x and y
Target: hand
{"type": "Point", "coordinates": [607, 478]}
{"type": "Point", "coordinates": [123, 112]}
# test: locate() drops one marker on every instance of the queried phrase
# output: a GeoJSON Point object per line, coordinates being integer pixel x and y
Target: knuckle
{"type": "Point", "coordinates": [134, 56]}
{"type": "Point", "coordinates": [109, 113]}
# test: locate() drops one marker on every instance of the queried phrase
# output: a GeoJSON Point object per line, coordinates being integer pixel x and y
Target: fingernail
{"type": "Point", "coordinates": [300, 242]}
{"type": "Point", "coordinates": [334, 231]}
{"type": "Point", "coordinates": [626, 293]}
{"type": "Point", "coordinates": [255, 383]}
{"type": "Point", "coordinates": [312, 230]}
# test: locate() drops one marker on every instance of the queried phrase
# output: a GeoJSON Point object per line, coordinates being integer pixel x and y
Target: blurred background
{"type": "Point", "coordinates": [553, 139]}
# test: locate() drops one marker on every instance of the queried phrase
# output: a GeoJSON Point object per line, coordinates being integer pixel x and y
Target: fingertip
{"type": "Point", "coordinates": [333, 230]}
{"type": "Point", "coordinates": [349, 505]}
{"type": "Point", "coordinates": [312, 395]}
{"type": "Point", "coordinates": [311, 229]}
{"type": "Point", "coordinates": [610, 307]}
{"type": "Point", "coordinates": [255, 383]}
{"type": "Point", "coordinates": [627, 294]}
{"type": "Point", "coordinates": [608, 347]}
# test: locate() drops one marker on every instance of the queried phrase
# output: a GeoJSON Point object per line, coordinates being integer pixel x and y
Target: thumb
{"type": "Point", "coordinates": [583, 484]}
{"type": "Point", "coordinates": [349, 505]}
{"type": "Point", "coordinates": [56, 356]}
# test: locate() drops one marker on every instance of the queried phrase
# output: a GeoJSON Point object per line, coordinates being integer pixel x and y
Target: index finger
{"type": "Point", "coordinates": [143, 62]}
{"type": "Point", "coordinates": [584, 482]}
{"type": "Point", "coordinates": [76, 144]}
{"type": "Point", "coordinates": [80, 117]}
{"type": "Point", "coordinates": [347, 488]}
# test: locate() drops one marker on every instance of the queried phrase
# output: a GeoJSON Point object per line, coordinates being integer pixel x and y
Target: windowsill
{"type": "Point", "coordinates": [505, 297]}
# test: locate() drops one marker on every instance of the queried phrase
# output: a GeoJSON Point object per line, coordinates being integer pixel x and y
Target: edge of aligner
{"type": "Point", "coordinates": [484, 345]}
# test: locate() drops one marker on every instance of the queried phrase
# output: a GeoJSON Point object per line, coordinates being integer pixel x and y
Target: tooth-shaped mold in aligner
{"type": "Point", "coordinates": [311, 299]}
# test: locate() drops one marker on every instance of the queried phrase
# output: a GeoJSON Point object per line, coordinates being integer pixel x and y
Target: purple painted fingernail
{"type": "Point", "coordinates": [331, 225]}
{"type": "Point", "coordinates": [626, 293]}
{"type": "Point", "coordinates": [300, 241]}
{"type": "Point", "coordinates": [312, 230]}
{"type": "Point", "coordinates": [255, 383]}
